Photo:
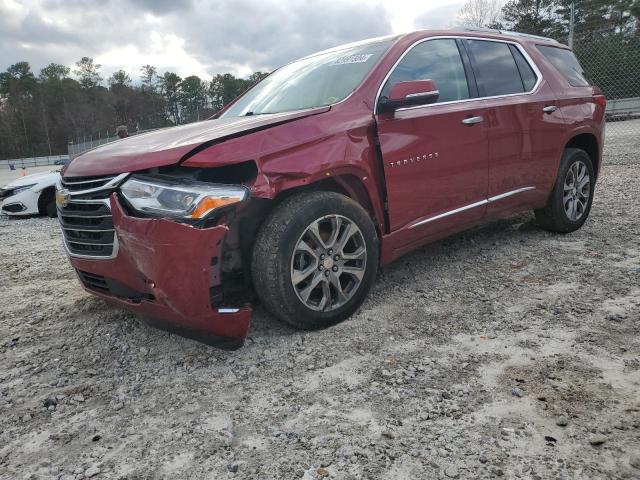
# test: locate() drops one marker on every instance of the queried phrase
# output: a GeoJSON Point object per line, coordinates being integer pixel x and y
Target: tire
{"type": "Point", "coordinates": [47, 203]}
{"type": "Point", "coordinates": [558, 215]}
{"type": "Point", "coordinates": [288, 259]}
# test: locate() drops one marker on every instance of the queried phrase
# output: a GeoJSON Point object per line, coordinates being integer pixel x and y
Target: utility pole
{"type": "Point", "coordinates": [572, 21]}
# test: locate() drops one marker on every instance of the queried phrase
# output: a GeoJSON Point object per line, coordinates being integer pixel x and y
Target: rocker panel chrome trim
{"type": "Point", "coordinates": [470, 206]}
{"type": "Point", "coordinates": [446, 214]}
{"type": "Point", "coordinates": [508, 194]}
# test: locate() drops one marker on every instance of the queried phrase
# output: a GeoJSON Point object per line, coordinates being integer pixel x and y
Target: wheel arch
{"type": "Point", "coordinates": [347, 184]}
{"type": "Point", "coordinates": [589, 143]}
{"type": "Point", "coordinates": [45, 194]}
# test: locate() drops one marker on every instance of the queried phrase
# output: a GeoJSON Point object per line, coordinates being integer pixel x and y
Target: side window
{"type": "Point", "coordinates": [438, 60]}
{"type": "Point", "coordinates": [526, 72]}
{"type": "Point", "coordinates": [495, 68]}
{"type": "Point", "coordinates": [567, 64]}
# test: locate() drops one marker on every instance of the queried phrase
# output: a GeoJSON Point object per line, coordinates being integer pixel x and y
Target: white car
{"type": "Point", "coordinates": [30, 195]}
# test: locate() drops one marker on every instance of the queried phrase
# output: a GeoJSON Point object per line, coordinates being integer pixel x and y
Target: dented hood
{"type": "Point", "coordinates": [170, 145]}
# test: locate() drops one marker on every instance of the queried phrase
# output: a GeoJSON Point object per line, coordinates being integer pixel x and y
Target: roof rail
{"type": "Point", "coordinates": [508, 32]}
{"type": "Point", "coordinates": [528, 35]}
{"type": "Point", "coordinates": [479, 29]}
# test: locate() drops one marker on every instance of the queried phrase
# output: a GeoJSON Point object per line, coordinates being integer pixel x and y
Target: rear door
{"type": "Point", "coordinates": [435, 156]}
{"type": "Point", "coordinates": [524, 128]}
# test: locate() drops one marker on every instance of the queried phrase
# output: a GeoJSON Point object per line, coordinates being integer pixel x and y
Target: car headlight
{"type": "Point", "coordinates": [160, 195]}
{"type": "Point", "coordinates": [21, 188]}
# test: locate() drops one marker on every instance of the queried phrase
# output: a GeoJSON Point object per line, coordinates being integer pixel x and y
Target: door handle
{"type": "Point", "coordinates": [549, 109]}
{"type": "Point", "coordinates": [473, 120]}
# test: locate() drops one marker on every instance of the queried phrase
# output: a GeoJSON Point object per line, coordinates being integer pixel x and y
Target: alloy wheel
{"type": "Point", "coordinates": [328, 263]}
{"type": "Point", "coordinates": [577, 189]}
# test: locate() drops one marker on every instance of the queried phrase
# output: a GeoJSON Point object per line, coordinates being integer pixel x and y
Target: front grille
{"type": "Point", "coordinates": [88, 228]}
{"type": "Point", "coordinates": [76, 184]}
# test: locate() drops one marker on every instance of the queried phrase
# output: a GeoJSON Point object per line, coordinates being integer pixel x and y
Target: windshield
{"type": "Point", "coordinates": [315, 81]}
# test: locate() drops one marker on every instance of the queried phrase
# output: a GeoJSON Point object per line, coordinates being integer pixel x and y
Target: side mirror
{"type": "Point", "coordinates": [409, 94]}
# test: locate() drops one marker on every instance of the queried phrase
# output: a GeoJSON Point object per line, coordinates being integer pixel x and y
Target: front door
{"type": "Point", "coordinates": [435, 156]}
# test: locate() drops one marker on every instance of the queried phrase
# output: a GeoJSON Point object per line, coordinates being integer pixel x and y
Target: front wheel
{"type": "Point", "coordinates": [47, 203]}
{"type": "Point", "coordinates": [314, 259]}
{"type": "Point", "coordinates": [570, 201]}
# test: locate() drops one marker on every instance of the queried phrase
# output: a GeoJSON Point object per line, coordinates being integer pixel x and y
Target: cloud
{"type": "Point", "coordinates": [275, 33]}
{"type": "Point", "coordinates": [202, 37]}
{"type": "Point", "coordinates": [163, 6]}
{"type": "Point", "coordinates": [444, 16]}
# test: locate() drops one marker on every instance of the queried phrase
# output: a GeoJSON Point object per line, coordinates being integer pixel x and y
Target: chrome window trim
{"type": "Point", "coordinates": [524, 53]}
{"type": "Point", "coordinates": [470, 206]}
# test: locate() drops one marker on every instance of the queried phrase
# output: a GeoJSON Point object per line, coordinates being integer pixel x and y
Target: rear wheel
{"type": "Point", "coordinates": [570, 201]}
{"type": "Point", "coordinates": [315, 259]}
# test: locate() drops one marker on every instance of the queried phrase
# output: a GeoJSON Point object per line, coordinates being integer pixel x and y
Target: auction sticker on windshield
{"type": "Point", "coordinates": [360, 58]}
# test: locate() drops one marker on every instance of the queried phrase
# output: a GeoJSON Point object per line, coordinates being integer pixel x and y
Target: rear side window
{"type": "Point", "coordinates": [495, 68]}
{"type": "Point", "coordinates": [567, 64]}
{"type": "Point", "coordinates": [526, 72]}
{"type": "Point", "coordinates": [437, 60]}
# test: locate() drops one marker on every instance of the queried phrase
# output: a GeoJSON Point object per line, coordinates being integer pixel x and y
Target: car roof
{"type": "Point", "coordinates": [456, 32]}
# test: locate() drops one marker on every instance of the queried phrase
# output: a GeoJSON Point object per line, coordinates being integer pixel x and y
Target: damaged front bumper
{"type": "Point", "coordinates": [166, 271]}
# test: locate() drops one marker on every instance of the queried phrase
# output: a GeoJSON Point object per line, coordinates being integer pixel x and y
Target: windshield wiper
{"type": "Point", "coordinates": [251, 114]}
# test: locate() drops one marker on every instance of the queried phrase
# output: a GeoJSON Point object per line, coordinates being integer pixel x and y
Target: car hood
{"type": "Point", "coordinates": [49, 177]}
{"type": "Point", "coordinates": [171, 145]}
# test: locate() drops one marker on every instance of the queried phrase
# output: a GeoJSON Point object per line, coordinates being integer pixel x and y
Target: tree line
{"type": "Point", "coordinates": [594, 19]}
{"type": "Point", "coordinates": [41, 114]}
{"type": "Point", "coordinates": [606, 34]}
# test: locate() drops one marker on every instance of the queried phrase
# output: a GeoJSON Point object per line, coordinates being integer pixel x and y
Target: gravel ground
{"type": "Point", "coordinates": [502, 352]}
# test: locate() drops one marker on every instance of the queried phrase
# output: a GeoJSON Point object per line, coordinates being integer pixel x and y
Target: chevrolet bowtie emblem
{"type": "Point", "coordinates": [62, 198]}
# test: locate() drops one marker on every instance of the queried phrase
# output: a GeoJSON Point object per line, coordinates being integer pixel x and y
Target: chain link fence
{"type": "Point", "coordinates": [612, 62]}
{"type": "Point", "coordinates": [82, 144]}
{"type": "Point", "coordinates": [29, 162]}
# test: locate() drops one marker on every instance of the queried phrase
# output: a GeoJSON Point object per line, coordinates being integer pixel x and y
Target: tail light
{"type": "Point", "coordinates": [598, 97]}
{"type": "Point", "coordinates": [600, 100]}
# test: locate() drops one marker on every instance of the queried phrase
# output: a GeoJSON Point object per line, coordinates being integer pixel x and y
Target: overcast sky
{"type": "Point", "coordinates": [201, 37]}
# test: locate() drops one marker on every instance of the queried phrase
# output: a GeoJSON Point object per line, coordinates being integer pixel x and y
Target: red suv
{"type": "Point", "coordinates": [332, 165]}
